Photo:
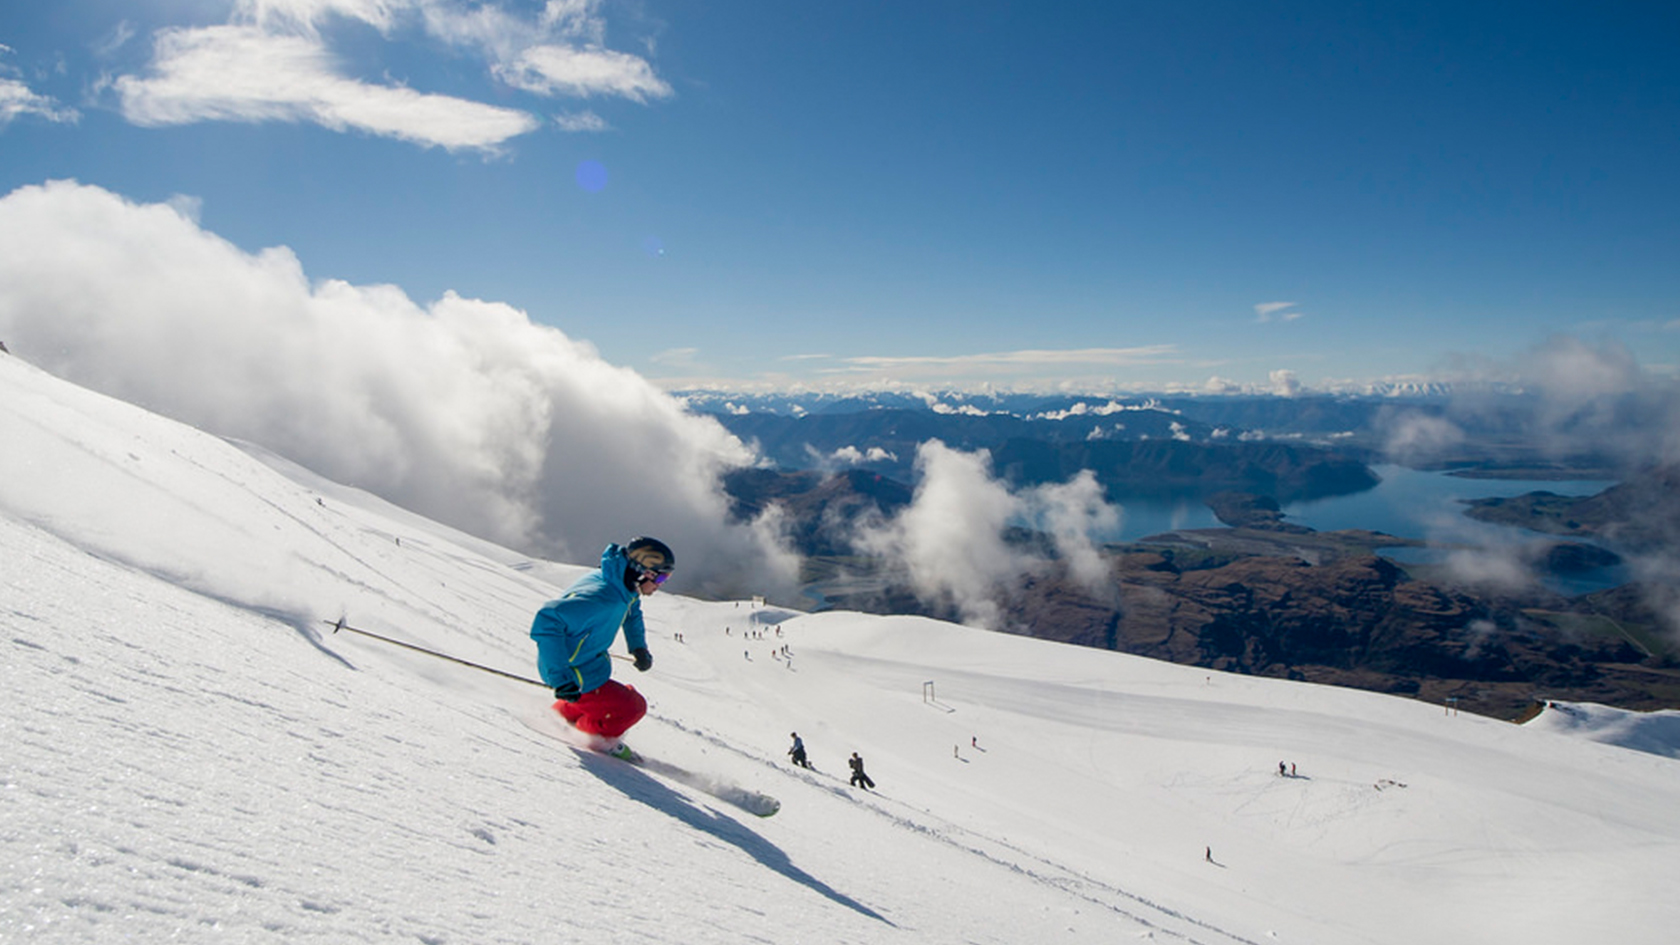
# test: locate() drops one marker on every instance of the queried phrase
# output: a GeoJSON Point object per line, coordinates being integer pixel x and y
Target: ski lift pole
{"type": "Point", "coordinates": [339, 624]}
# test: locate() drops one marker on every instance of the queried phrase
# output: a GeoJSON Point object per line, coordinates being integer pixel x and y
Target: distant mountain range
{"type": "Point", "coordinates": [1146, 447]}
{"type": "Point", "coordinates": [1484, 428]}
{"type": "Point", "coordinates": [1026, 404]}
{"type": "Point", "coordinates": [1264, 596]}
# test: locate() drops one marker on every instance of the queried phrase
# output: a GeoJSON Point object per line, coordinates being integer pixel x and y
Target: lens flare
{"type": "Point", "coordinates": [592, 176]}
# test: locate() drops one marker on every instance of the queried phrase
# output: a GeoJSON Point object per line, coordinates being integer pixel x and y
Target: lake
{"type": "Point", "coordinates": [1410, 503]}
{"type": "Point", "coordinates": [1407, 503]}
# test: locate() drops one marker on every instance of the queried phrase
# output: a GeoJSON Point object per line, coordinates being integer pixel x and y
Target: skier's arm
{"type": "Point", "coordinates": [635, 632]}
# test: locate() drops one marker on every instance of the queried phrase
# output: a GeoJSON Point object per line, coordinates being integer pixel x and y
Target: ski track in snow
{"type": "Point", "coordinates": [927, 824]}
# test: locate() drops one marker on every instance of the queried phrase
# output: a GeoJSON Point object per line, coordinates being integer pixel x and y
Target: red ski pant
{"type": "Point", "coordinates": [608, 711]}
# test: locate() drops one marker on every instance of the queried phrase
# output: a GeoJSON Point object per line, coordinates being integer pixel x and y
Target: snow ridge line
{"type": "Point", "coordinates": [1071, 883]}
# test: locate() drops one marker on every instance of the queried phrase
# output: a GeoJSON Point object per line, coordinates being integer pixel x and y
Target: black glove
{"type": "Point", "coordinates": [644, 659]}
{"type": "Point", "coordinates": [568, 692]}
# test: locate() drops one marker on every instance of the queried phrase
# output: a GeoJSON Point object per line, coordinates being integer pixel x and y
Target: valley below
{"type": "Point", "coordinates": [1263, 596]}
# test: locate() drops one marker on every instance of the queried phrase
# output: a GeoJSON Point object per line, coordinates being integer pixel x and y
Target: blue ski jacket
{"type": "Point", "coordinates": [574, 632]}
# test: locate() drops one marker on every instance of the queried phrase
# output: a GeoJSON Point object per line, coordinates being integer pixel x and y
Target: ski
{"type": "Point", "coordinates": [753, 802]}
{"type": "Point", "coordinates": [756, 803]}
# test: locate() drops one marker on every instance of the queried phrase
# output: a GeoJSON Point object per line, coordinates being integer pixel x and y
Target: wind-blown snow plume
{"type": "Point", "coordinates": [463, 410]}
{"type": "Point", "coordinates": [951, 540]}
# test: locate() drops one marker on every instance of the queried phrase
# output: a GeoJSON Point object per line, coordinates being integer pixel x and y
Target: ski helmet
{"type": "Point", "coordinates": [650, 555]}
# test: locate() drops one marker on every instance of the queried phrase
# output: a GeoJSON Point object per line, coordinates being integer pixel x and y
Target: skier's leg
{"type": "Point", "coordinates": [568, 711]}
{"type": "Point", "coordinates": [610, 710]}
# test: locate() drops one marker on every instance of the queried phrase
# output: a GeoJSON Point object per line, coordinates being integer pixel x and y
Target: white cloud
{"type": "Point", "coordinates": [307, 14]}
{"type": "Point", "coordinates": [241, 73]}
{"type": "Point", "coordinates": [188, 206]}
{"type": "Point", "coordinates": [1275, 311]}
{"type": "Point", "coordinates": [272, 62]}
{"type": "Point", "coordinates": [463, 410]}
{"type": "Point", "coordinates": [1284, 383]}
{"type": "Point", "coordinates": [1072, 512]}
{"type": "Point", "coordinates": [1593, 399]}
{"type": "Point", "coordinates": [582, 72]}
{"type": "Point", "coordinates": [114, 39]}
{"type": "Point", "coordinates": [1413, 438]}
{"type": "Point", "coordinates": [965, 410]}
{"type": "Point", "coordinates": [950, 539]}
{"type": "Point", "coordinates": [1011, 362]}
{"type": "Point", "coordinates": [1083, 409]}
{"type": "Point", "coordinates": [18, 100]}
{"type": "Point", "coordinates": [563, 53]}
{"type": "Point", "coordinates": [676, 356]}
{"type": "Point", "coordinates": [491, 29]}
{"type": "Point", "coordinates": [1571, 373]}
{"type": "Point", "coordinates": [1499, 568]}
{"type": "Point", "coordinates": [852, 456]}
{"type": "Point", "coordinates": [577, 19]}
{"type": "Point", "coordinates": [580, 121]}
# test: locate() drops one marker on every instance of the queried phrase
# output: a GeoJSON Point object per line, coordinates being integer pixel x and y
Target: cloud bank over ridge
{"type": "Point", "coordinates": [463, 410]}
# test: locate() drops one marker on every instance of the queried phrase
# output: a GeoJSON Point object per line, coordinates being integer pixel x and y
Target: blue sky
{"type": "Point", "coordinates": [1148, 196]}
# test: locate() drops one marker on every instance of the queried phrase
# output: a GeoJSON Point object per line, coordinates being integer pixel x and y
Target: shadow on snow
{"type": "Point", "coordinates": [640, 786]}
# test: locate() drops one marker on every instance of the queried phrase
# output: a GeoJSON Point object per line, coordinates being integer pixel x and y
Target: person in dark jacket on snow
{"type": "Point", "coordinates": [797, 752]}
{"type": "Point", "coordinates": [859, 779]}
{"type": "Point", "coordinates": [575, 632]}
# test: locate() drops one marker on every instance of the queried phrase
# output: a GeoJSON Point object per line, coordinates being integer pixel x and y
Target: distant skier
{"type": "Point", "coordinates": [575, 632]}
{"type": "Point", "coordinates": [859, 779]}
{"type": "Point", "coordinates": [797, 752]}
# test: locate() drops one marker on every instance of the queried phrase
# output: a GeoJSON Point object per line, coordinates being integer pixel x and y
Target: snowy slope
{"type": "Point", "coordinates": [1655, 732]}
{"type": "Point", "coordinates": [187, 756]}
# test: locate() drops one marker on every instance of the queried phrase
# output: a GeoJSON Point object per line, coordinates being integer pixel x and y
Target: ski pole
{"type": "Point", "coordinates": [339, 624]}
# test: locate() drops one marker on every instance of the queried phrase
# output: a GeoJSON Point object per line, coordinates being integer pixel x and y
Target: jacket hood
{"type": "Point", "coordinates": [613, 565]}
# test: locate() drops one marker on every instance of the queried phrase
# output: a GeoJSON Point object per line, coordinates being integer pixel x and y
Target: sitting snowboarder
{"type": "Point", "coordinates": [575, 632]}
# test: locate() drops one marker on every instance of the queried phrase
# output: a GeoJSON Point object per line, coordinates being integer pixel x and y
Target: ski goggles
{"type": "Point", "coordinates": [649, 574]}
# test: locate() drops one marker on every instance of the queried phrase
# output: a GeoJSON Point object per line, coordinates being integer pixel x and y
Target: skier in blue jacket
{"type": "Point", "coordinates": [575, 632]}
